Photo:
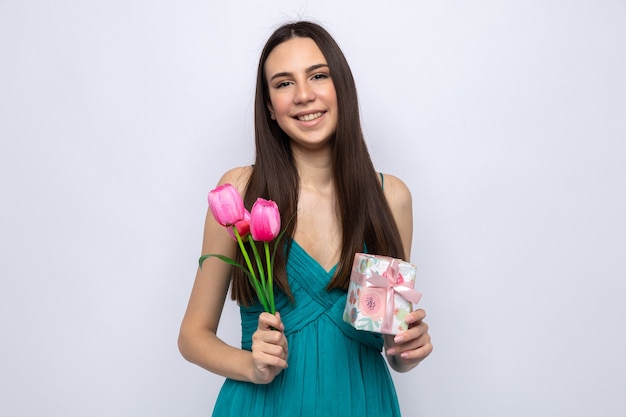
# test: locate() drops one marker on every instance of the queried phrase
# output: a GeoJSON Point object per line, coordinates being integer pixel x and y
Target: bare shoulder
{"type": "Point", "coordinates": [238, 177]}
{"type": "Point", "coordinates": [400, 202]}
{"type": "Point", "coordinates": [397, 193]}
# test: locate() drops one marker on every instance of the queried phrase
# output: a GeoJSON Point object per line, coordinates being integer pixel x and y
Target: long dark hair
{"type": "Point", "coordinates": [365, 217]}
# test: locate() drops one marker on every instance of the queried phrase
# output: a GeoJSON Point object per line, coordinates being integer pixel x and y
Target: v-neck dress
{"type": "Point", "coordinates": [334, 370]}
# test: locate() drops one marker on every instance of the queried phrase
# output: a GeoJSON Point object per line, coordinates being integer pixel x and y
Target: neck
{"type": "Point", "coordinates": [314, 167]}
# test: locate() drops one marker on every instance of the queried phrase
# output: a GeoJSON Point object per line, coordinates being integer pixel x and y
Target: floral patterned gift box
{"type": "Point", "coordinates": [380, 294]}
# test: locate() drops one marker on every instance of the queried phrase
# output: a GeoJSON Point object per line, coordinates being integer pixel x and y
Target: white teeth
{"type": "Point", "coordinates": [309, 117]}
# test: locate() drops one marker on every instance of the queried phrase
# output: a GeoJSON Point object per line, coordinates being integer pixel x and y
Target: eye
{"type": "Point", "coordinates": [320, 76]}
{"type": "Point", "coordinates": [282, 84]}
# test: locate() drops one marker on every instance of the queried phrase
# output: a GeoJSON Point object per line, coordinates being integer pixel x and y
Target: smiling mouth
{"type": "Point", "coordinates": [309, 117]}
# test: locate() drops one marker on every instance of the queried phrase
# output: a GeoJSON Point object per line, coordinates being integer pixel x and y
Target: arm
{"type": "Point", "coordinates": [407, 349]}
{"type": "Point", "coordinates": [198, 341]}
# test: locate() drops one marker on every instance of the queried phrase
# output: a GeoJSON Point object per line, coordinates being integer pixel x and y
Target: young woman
{"type": "Point", "coordinates": [312, 160]}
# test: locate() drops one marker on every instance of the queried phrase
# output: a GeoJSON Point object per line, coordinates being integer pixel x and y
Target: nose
{"type": "Point", "coordinates": [304, 93]}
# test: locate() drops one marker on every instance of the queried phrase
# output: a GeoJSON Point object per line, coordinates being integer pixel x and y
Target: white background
{"type": "Point", "coordinates": [507, 119]}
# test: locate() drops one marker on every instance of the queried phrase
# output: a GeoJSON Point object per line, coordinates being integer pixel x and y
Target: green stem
{"type": "Point", "coordinates": [260, 265]}
{"type": "Point", "coordinates": [255, 281]}
{"type": "Point", "coordinates": [270, 281]}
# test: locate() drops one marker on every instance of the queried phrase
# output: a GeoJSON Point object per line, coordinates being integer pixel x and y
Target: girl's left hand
{"type": "Point", "coordinates": [405, 350]}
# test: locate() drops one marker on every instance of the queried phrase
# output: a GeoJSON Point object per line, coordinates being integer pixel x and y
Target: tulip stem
{"type": "Point", "coordinates": [270, 281]}
{"type": "Point", "coordinates": [255, 281]}
{"type": "Point", "coordinates": [259, 264]}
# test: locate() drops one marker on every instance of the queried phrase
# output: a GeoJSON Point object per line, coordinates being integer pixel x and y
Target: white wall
{"type": "Point", "coordinates": [506, 120]}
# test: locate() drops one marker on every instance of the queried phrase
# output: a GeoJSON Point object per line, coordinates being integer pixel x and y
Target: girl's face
{"type": "Point", "coordinates": [302, 94]}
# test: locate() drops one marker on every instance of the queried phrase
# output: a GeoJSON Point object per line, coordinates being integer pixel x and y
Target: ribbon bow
{"type": "Point", "coordinates": [393, 281]}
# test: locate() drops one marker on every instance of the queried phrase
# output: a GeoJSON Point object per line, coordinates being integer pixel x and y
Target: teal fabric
{"type": "Point", "coordinates": [334, 370]}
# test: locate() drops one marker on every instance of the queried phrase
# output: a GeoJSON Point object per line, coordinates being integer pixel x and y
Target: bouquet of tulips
{"type": "Point", "coordinates": [261, 224]}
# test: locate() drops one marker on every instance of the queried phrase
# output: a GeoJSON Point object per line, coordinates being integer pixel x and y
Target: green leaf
{"type": "Point", "coordinates": [225, 259]}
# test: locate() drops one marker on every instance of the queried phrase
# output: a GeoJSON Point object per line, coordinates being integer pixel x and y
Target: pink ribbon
{"type": "Point", "coordinates": [389, 279]}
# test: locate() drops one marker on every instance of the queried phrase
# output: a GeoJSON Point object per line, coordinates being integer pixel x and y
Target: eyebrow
{"type": "Point", "coordinates": [309, 69]}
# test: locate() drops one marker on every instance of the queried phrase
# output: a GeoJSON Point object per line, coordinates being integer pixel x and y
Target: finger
{"type": "Point", "coordinates": [264, 359]}
{"type": "Point", "coordinates": [270, 349]}
{"type": "Point", "coordinates": [418, 342]}
{"type": "Point", "coordinates": [269, 321]}
{"type": "Point", "coordinates": [273, 337]}
{"type": "Point", "coordinates": [403, 347]}
{"type": "Point", "coordinates": [416, 330]}
{"type": "Point", "coordinates": [276, 338]}
{"type": "Point", "coordinates": [270, 341]}
{"type": "Point", "coordinates": [420, 352]}
{"type": "Point", "coordinates": [410, 339]}
{"type": "Point", "coordinates": [411, 333]}
{"type": "Point", "coordinates": [409, 346]}
{"type": "Point", "coordinates": [415, 316]}
{"type": "Point", "coordinates": [269, 336]}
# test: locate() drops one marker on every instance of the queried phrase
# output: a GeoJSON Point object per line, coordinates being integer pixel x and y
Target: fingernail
{"type": "Point", "coordinates": [398, 339]}
{"type": "Point", "coordinates": [391, 351]}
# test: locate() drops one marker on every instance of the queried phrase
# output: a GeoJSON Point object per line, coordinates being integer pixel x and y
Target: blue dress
{"type": "Point", "coordinates": [334, 370]}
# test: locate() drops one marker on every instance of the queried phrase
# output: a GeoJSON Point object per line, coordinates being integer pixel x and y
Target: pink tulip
{"type": "Point", "coordinates": [243, 226]}
{"type": "Point", "coordinates": [264, 220]}
{"type": "Point", "coordinates": [226, 205]}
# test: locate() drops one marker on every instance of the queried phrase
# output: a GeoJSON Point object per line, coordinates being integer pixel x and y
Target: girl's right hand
{"type": "Point", "coordinates": [269, 348]}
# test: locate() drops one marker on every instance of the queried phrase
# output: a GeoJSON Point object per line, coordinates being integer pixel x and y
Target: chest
{"type": "Point", "coordinates": [317, 230]}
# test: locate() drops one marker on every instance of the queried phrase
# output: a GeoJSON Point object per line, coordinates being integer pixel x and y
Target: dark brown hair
{"type": "Point", "coordinates": [365, 217]}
